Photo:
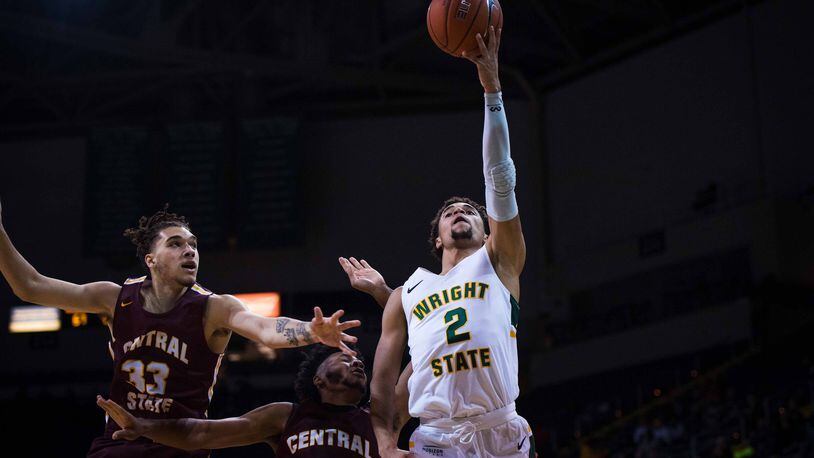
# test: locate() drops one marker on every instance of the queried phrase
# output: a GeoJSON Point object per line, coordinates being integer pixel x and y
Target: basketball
{"type": "Point", "coordinates": [453, 24]}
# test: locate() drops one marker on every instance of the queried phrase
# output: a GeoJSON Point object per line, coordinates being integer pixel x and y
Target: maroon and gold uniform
{"type": "Point", "coordinates": [318, 430]}
{"type": "Point", "coordinates": [163, 368]}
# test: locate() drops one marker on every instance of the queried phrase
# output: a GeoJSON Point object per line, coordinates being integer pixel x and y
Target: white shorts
{"type": "Point", "coordinates": [497, 434]}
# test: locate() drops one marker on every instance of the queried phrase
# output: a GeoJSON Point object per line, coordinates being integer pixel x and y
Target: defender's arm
{"type": "Point", "coordinates": [194, 434]}
{"type": "Point", "coordinates": [31, 286]}
{"type": "Point", "coordinates": [228, 312]}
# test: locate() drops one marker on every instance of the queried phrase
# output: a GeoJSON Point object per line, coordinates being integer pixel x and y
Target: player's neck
{"type": "Point", "coordinates": [162, 295]}
{"type": "Point", "coordinates": [339, 399]}
{"type": "Point", "coordinates": [453, 256]}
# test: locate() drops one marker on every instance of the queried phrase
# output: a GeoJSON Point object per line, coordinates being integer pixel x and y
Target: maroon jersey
{"type": "Point", "coordinates": [163, 367]}
{"type": "Point", "coordinates": [316, 430]}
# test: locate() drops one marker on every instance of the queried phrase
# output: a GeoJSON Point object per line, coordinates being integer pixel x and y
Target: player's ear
{"type": "Point", "coordinates": [318, 382]}
{"type": "Point", "coordinates": [437, 243]}
{"type": "Point", "coordinates": [149, 259]}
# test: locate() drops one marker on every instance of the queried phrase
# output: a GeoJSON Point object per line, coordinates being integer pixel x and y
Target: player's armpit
{"type": "Point", "coordinates": [386, 372]}
{"type": "Point", "coordinates": [507, 247]}
{"type": "Point", "coordinates": [402, 415]}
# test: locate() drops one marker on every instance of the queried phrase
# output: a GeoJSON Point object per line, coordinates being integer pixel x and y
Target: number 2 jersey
{"type": "Point", "coordinates": [163, 367]}
{"type": "Point", "coordinates": [462, 336]}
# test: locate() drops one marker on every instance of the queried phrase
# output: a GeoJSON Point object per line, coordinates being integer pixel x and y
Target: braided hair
{"type": "Point", "coordinates": [148, 228]}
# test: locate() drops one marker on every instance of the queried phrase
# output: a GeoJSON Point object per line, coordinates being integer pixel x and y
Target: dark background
{"type": "Point", "coordinates": [665, 163]}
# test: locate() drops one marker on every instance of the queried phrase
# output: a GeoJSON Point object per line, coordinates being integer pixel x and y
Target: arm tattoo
{"type": "Point", "coordinates": [306, 336]}
{"type": "Point", "coordinates": [290, 336]}
{"type": "Point", "coordinates": [281, 322]}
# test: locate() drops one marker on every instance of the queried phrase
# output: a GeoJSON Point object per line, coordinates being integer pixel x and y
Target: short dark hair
{"type": "Point", "coordinates": [437, 252]}
{"type": "Point", "coordinates": [148, 228]}
{"type": "Point", "coordinates": [304, 383]}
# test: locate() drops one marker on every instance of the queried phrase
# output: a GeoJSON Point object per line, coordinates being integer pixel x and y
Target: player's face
{"type": "Point", "coordinates": [175, 256]}
{"type": "Point", "coordinates": [460, 226]}
{"type": "Point", "coordinates": [343, 372]}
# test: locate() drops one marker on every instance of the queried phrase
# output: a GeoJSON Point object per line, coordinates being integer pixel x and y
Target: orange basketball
{"type": "Point", "coordinates": [453, 24]}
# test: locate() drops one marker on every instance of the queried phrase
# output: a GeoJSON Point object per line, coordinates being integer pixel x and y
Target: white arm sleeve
{"type": "Point", "coordinates": [498, 167]}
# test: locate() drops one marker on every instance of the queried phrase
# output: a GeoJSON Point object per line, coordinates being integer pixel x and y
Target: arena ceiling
{"type": "Point", "coordinates": [68, 64]}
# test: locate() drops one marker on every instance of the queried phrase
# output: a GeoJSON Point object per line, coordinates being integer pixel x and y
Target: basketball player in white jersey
{"type": "Point", "coordinates": [461, 324]}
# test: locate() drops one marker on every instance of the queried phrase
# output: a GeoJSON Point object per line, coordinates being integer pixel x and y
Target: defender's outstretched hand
{"type": "Point", "coordinates": [487, 60]}
{"type": "Point", "coordinates": [362, 277]}
{"type": "Point", "coordinates": [331, 332]}
{"type": "Point", "coordinates": [366, 279]}
{"type": "Point", "coordinates": [131, 427]}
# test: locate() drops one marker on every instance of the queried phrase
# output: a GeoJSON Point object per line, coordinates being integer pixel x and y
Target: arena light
{"type": "Point", "coordinates": [266, 304]}
{"type": "Point", "coordinates": [34, 318]}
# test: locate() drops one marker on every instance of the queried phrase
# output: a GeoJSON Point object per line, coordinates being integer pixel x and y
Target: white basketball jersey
{"type": "Point", "coordinates": [462, 338]}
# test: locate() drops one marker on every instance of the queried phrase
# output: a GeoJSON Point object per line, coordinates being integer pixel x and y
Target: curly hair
{"type": "Point", "coordinates": [304, 383]}
{"type": "Point", "coordinates": [148, 228]}
{"type": "Point", "coordinates": [437, 252]}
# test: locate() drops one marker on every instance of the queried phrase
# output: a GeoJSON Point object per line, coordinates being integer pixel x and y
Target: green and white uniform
{"type": "Point", "coordinates": [462, 335]}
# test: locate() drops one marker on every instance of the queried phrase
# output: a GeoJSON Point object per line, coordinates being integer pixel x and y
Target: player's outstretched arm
{"type": "Point", "coordinates": [31, 286]}
{"type": "Point", "coordinates": [506, 245]}
{"type": "Point", "coordinates": [193, 434]}
{"type": "Point", "coordinates": [386, 367]}
{"type": "Point", "coordinates": [229, 313]}
{"type": "Point", "coordinates": [366, 279]}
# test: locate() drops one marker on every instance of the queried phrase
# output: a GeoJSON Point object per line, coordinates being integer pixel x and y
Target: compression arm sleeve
{"type": "Point", "coordinates": [498, 167]}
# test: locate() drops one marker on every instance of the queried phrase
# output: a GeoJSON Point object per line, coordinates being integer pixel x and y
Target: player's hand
{"type": "Point", "coordinates": [131, 427]}
{"type": "Point", "coordinates": [331, 331]}
{"type": "Point", "coordinates": [363, 277]}
{"type": "Point", "coordinates": [487, 60]}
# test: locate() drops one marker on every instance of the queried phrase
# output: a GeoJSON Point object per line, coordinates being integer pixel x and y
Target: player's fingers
{"type": "Point", "coordinates": [104, 404]}
{"type": "Point", "coordinates": [318, 316]}
{"type": "Point", "coordinates": [349, 324]}
{"type": "Point", "coordinates": [365, 264]}
{"type": "Point", "coordinates": [466, 56]}
{"type": "Point", "coordinates": [355, 263]}
{"type": "Point", "coordinates": [346, 350]}
{"type": "Point", "coordinates": [115, 411]}
{"type": "Point", "coordinates": [101, 403]}
{"type": "Point", "coordinates": [349, 338]}
{"type": "Point", "coordinates": [336, 316]}
{"type": "Point", "coordinates": [481, 44]}
{"type": "Point", "coordinates": [492, 38]}
{"type": "Point", "coordinates": [124, 434]}
{"type": "Point", "coordinates": [345, 265]}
